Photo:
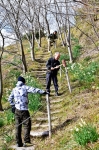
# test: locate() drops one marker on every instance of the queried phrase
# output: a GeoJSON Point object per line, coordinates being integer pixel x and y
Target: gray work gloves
{"type": "Point", "coordinates": [13, 109]}
{"type": "Point", "coordinates": [46, 92]}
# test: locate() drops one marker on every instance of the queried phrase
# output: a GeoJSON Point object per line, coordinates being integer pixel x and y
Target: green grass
{"type": "Point", "coordinates": [81, 103]}
{"type": "Point", "coordinates": [34, 99]}
{"type": "Point", "coordinates": [85, 133]}
{"type": "Point", "coordinates": [1, 122]}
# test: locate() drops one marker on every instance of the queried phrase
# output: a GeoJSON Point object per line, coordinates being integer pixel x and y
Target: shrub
{"type": "Point", "coordinates": [87, 58]}
{"type": "Point", "coordinates": [64, 56]}
{"type": "Point", "coordinates": [34, 102]}
{"type": "Point", "coordinates": [34, 99]}
{"type": "Point", "coordinates": [4, 147]}
{"type": "Point", "coordinates": [84, 73]}
{"type": "Point", "coordinates": [1, 122]}
{"type": "Point", "coordinates": [85, 133]}
{"type": "Point", "coordinates": [9, 117]}
{"type": "Point", "coordinates": [8, 138]}
{"type": "Point", "coordinates": [75, 40]}
{"type": "Point", "coordinates": [76, 51]}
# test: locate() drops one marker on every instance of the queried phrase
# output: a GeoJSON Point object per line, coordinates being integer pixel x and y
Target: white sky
{"type": "Point", "coordinates": [7, 40]}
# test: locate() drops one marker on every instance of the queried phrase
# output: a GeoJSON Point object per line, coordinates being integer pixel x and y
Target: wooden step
{"type": "Point", "coordinates": [39, 134]}
{"type": "Point", "coordinates": [39, 125]}
{"type": "Point", "coordinates": [42, 78]}
{"type": "Point", "coordinates": [45, 118]}
{"type": "Point", "coordinates": [56, 112]}
{"type": "Point", "coordinates": [56, 100]}
{"type": "Point", "coordinates": [56, 106]}
{"type": "Point", "coordinates": [14, 147]}
{"type": "Point", "coordinates": [38, 70]}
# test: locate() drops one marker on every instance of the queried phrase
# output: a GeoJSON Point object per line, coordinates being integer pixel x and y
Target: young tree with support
{"type": "Point", "coordinates": [1, 80]}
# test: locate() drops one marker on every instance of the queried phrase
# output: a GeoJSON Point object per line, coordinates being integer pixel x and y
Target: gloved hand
{"type": "Point", "coordinates": [13, 109]}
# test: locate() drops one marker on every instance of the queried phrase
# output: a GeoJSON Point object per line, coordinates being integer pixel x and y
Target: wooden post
{"type": "Point", "coordinates": [49, 114]}
{"type": "Point", "coordinates": [60, 71]}
{"type": "Point", "coordinates": [68, 79]}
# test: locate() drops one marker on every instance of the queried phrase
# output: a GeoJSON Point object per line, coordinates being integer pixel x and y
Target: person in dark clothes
{"type": "Point", "coordinates": [52, 40]}
{"type": "Point", "coordinates": [19, 102]}
{"type": "Point", "coordinates": [53, 36]}
{"type": "Point", "coordinates": [52, 70]}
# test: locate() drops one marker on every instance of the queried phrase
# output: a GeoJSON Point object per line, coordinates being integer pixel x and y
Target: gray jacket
{"type": "Point", "coordinates": [19, 95]}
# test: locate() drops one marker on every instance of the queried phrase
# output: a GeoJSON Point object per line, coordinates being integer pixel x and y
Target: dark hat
{"type": "Point", "coordinates": [55, 31]}
{"type": "Point", "coordinates": [21, 79]}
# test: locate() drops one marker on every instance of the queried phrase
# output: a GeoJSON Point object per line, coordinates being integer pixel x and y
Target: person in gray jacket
{"type": "Point", "coordinates": [19, 102]}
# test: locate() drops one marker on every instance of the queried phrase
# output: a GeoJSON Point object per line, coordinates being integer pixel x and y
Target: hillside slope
{"type": "Point", "coordinates": [67, 111]}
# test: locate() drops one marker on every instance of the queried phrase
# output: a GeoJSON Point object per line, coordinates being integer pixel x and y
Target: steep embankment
{"type": "Point", "coordinates": [67, 110]}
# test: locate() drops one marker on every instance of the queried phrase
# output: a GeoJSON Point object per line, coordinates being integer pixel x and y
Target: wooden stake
{"type": "Point", "coordinates": [68, 80]}
{"type": "Point", "coordinates": [60, 71]}
{"type": "Point", "coordinates": [49, 114]}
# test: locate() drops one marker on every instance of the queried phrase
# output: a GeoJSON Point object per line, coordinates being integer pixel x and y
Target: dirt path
{"type": "Point", "coordinates": [40, 120]}
{"type": "Point", "coordinates": [40, 126]}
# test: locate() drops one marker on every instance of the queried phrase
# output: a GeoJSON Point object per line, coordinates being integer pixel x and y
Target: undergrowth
{"type": "Point", "coordinates": [83, 73]}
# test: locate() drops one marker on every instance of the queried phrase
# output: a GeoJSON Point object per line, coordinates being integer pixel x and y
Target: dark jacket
{"type": "Point", "coordinates": [52, 36]}
{"type": "Point", "coordinates": [52, 63]}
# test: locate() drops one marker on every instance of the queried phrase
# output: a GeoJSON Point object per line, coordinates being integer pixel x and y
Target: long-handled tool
{"type": "Point", "coordinates": [53, 68]}
{"type": "Point", "coordinates": [56, 67]}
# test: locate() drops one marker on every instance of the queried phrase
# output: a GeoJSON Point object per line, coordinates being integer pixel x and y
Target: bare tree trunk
{"type": "Point", "coordinates": [57, 20]}
{"type": "Point", "coordinates": [1, 82]}
{"type": "Point", "coordinates": [23, 57]}
{"type": "Point", "coordinates": [32, 47]}
{"type": "Point", "coordinates": [39, 29]}
{"type": "Point", "coordinates": [1, 87]}
{"type": "Point", "coordinates": [31, 41]}
{"type": "Point", "coordinates": [61, 36]}
{"type": "Point", "coordinates": [39, 37]}
{"type": "Point", "coordinates": [45, 17]}
{"type": "Point", "coordinates": [69, 45]}
{"type": "Point", "coordinates": [68, 37]}
{"type": "Point", "coordinates": [48, 29]}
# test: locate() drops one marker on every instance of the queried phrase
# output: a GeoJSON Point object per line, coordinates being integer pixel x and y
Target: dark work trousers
{"type": "Point", "coordinates": [21, 116]}
{"type": "Point", "coordinates": [52, 77]}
